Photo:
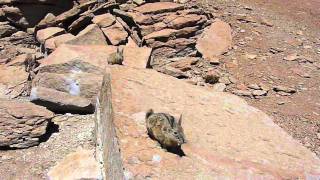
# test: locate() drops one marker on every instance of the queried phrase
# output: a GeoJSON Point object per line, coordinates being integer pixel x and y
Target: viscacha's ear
{"type": "Point", "coordinates": [121, 50]}
{"type": "Point", "coordinates": [180, 120]}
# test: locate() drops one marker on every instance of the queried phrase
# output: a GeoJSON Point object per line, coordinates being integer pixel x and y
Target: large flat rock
{"type": "Point", "coordinates": [53, 43]}
{"type": "Point", "coordinates": [116, 34]}
{"type": "Point", "coordinates": [22, 123]}
{"type": "Point", "coordinates": [215, 40]}
{"type": "Point", "coordinates": [61, 102]}
{"type": "Point", "coordinates": [12, 85]}
{"type": "Point", "coordinates": [44, 34]}
{"type": "Point", "coordinates": [226, 138]}
{"type": "Point", "coordinates": [77, 58]}
{"type": "Point", "coordinates": [159, 7]}
{"type": "Point", "coordinates": [69, 78]}
{"type": "Point", "coordinates": [136, 56]}
{"type": "Point", "coordinates": [91, 35]}
{"type": "Point", "coordinates": [80, 84]}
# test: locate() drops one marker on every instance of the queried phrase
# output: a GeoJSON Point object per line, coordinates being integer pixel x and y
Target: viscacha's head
{"type": "Point", "coordinates": [120, 50]}
{"type": "Point", "coordinates": [174, 136]}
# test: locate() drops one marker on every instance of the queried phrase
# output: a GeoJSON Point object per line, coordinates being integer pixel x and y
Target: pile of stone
{"type": "Point", "coordinates": [167, 27]}
{"type": "Point", "coordinates": [260, 90]}
{"type": "Point", "coordinates": [26, 14]}
{"type": "Point", "coordinates": [65, 74]}
{"type": "Point", "coordinates": [68, 79]}
{"type": "Point", "coordinates": [195, 70]}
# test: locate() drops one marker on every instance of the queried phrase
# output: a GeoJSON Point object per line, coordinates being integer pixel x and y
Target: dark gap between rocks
{"type": "Point", "coordinates": [62, 109]}
{"type": "Point", "coordinates": [51, 129]}
{"type": "Point", "coordinates": [175, 150]}
{"type": "Point", "coordinates": [178, 151]}
{"type": "Point", "coordinates": [7, 148]}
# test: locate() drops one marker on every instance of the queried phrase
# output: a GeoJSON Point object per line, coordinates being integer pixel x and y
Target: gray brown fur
{"type": "Point", "coordinates": [116, 57]}
{"type": "Point", "coordinates": [165, 129]}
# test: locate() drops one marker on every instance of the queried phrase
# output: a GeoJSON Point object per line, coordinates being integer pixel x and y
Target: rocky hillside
{"type": "Point", "coordinates": [60, 96]}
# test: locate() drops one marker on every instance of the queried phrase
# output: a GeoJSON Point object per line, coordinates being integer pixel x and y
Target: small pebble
{"type": "Point", "coordinates": [281, 103]}
{"type": "Point", "coordinates": [242, 93]}
{"type": "Point", "coordinates": [219, 87]}
{"type": "Point", "coordinates": [251, 56]}
{"type": "Point", "coordinates": [291, 57]}
{"type": "Point", "coordinates": [259, 92]}
{"type": "Point", "coordinates": [254, 86]}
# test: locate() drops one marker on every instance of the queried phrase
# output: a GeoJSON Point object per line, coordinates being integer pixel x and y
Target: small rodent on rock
{"type": "Point", "coordinates": [165, 129]}
{"type": "Point", "coordinates": [116, 57]}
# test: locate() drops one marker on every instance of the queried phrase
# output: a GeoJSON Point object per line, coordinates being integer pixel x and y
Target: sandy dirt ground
{"type": "Point", "coordinates": [265, 32]}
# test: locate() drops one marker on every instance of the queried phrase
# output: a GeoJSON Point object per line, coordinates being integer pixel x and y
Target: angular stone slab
{"type": "Point", "coordinates": [159, 7]}
{"type": "Point", "coordinates": [82, 84]}
{"type": "Point", "coordinates": [53, 43]}
{"type": "Point", "coordinates": [136, 56]}
{"type": "Point", "coordinates": [22, 123]}
{"type": "Point", "coordinates": [13, 86]}
{"type": "Point", "coordinates": [215, 40]}
{"type": "Point", "coordinates": [77, 58]}
{"type": "Point", "coordinates": [116, 34]}
{"type": "Point", "coordinates": [226, 138]}
{"type": "Point", "coordinates": [91, 35]}
{"type": "Point", "coordinates": [104, 20]}
{"type": "Point", "coordinates": [61, 102]}
{"type": "Point", "coordinates": [44, 34]}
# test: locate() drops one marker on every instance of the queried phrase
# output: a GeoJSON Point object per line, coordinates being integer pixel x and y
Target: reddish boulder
{"type": "Point", "coordinates": [22, 123]}
{"type": "Point", "coordinates": [20, 60]}
{"type": "Point", "coordinates": [77, 58]}
{"type": "Point", "coordinates": [141, 19]}
{"type": "Point", "coordinates": [181, 21]}
{"type": "Point", "coordinates": [91, 35]}
{"type": "Point", "coordinates": [215, 40]}
{"type": "Point", "coordinates": [226, 137]}
{"type": "Point", "coordinates": [44, 34]}
{"type": "Point", "coordinates": [165, 33]}
{"type": "Point", "coordinates": [148, 29]}
{"type": "Point", "coordinates": [159, 7]}
{"type": "Point", "coordinates": [184, 63]}
{"type": "Point", "coordinates": [13, 79]}
{"type": "Point", "coordinates": [53, 43]}
{"type": "Point", "coordinates": [116, 34]}
{"type": "Point", "coordinates": [136, 56]}
{"type": "Point", "coordinates": [61, 102]}
{"type": "Point", "coordinates": [169, 28]}
{"type": "Point", "coordinates": [77, 83]}
{"type": "Point", "coordinates": [104, 20]}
